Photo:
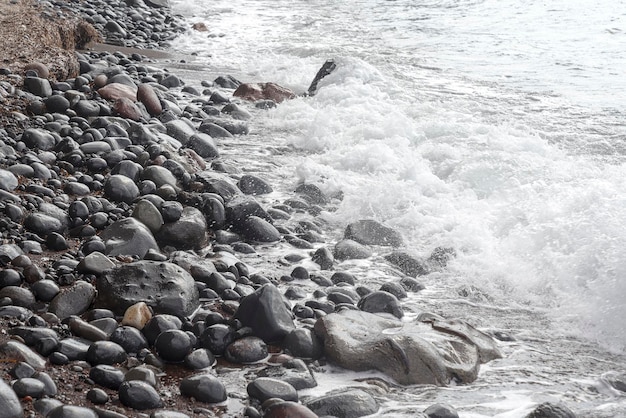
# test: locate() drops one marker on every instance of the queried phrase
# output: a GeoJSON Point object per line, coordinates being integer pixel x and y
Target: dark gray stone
{"type": "Point", "coordinates": [128, 237]}
{"type": "Point", "coordinates": [130, 338]}
{"type": "Point", "coordinates": [246, 350]}
{"type": "Point", "coordinates": [39, 139]}
{"type": "Point", "coordinates": [550, 410]}
{"type": "Point", "coordinates": [264, 388]}
{"type": "Point", "coordinates": [188, 232]}
{"type": "Point", "coordinates": [347, 249]}
{"type": "Point", "coordinates": [105, 352]}
{"type": "Point", "coordinates": [370, 232]}
{"type": "Point", "coordinates": [29, 387]}
{"type": "Point", "coordinates": [200, 359]}
{"type": "Point", "coordinates": [71, 411]}
{"type": "Point", "coordinates": [409, 264]}
{"type": "Point", "coordinates": [9, 403]}
{"type": "Point", "coordinates": [258, 229]}
{"type": "Point", "coordinates": [165, 287]}
{"type": "Point", "coordinates": [352, 403]}
{"type": "Point", "coordinates": [204, 388]}
{"type": "Point", "coordinates": [108, 376]}
{"type": "Point", "coordinates": [254, 185]}
{"type": "Point", "coordinates": [381, 302]}
{"type": "Point", "coordinates": [120, 188]}
{"type": "Point", "coordinates": [139, 395]}
{"type": "Point", "coordinates": [8, 181]}
{"type": "Point", "coordinates": [441, 411]}
{"type": "Point", "coordinates": [43, 224]}
{"type": "Point", "coordinates": [204, 145]}
{"type": "Point", "coordinates": [265, 312]}
{"type": "Point", "coordinates": [302, 342]}
{"type": "Point", "coordinates": [173, 345]}
{"type": "Point", "coordinates": [74, 300]}
{"type": "Point", "coordinates": [38, 86]}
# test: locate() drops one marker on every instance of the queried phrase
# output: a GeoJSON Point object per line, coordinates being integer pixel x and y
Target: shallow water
{"type": "Point", "coordinates": [495, 128]}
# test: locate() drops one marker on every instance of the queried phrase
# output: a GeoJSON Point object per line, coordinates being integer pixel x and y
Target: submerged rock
{"type": "Point", "coordinates": [371, 232]}
{"type": "Point", "coordinates": [352, 403]}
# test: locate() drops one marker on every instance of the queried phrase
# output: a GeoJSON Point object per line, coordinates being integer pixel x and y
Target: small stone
{"type": "Point", "coordinates": [97, 396]}
{"type": "Point", "coordinates": [288, 409]}
{"type": "Point", "coordinates": [347, 249]}
{"type": "Point", "coordinates": [65, 411]}
{"type": "Point", "coordinates": [147, 96]}
{"type": "Point", "coordinates": [204, 388]}
{"type": "Point", "coordinates": [28, 387]}
{"type": "Point", "coordinates": [95, 263]}
{"type": "Point", "coordinates": [130, 338]}
{"type": "Point", "coordinates": [8, 181]}
{"type": "Point", "coordinates": [139, 395]}
{"type": "Point", "coordinates": [105, 352]}
{"type": "Point", "coordinates": [74, 300]}
{"type": "Point", "coordinates": [246, 350]}
{"type": "Point", "coordinates": [199, 359]}
{"type": "Point", "coordinates": [380, 301]}
{"type": "Point", "coordinates": [264, 388]}
{"type": "Point", "coordinates": [107, 376]}
{"type": "Point", "coordinates": [137, 315]}
{"type": "Point", "coordinates": [351, 403]}
{"type": "Point", "coordinates": [121, 189]}
{"type": "Point", "coordinates": [173, 345]}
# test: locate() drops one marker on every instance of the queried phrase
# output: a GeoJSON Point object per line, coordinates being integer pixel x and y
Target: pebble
{"type": "Point", "coordinates": [105, 352]}
{"type": "Point", "coordinates": [204, 388]}
{"type": "Point", "coordinates": [97, 396]}
{"type": "Point", "coordinates": [246, 350]}
{"type": "Point", "coordinates": [71, 411]}
{"type": "Point", "coordinates": [264, 388]}
{"type": "Point", "coordinates": [173, 345]}
{"type": "Point", "coordinates": [28, 386]}
{"type": "Point", "coordinates": [137, 315]}
{"type": "Point", "coordinates": [139, 395]}
{"type": "Point", "coordinates": [129, 338]}
{"type": "Point", "coordinates": [107, 376]}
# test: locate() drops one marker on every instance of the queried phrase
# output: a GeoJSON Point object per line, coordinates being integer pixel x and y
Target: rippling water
{"type": "Point", "coordinates": [494, 127]}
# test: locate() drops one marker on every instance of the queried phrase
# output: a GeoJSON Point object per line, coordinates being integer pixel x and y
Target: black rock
{"type": "Point", "coordinates": [188, 232]}
{"type": "Point", "coordinates": [254, 185]}
{"type": "Point", "coordinates": [302, 342]}
{"type": "Point", "coordinates": [200, 359]}
{"type": "Point", "coordinates": [347, 249]}
{"type": "Point", "coordinates": [130, 338]}
{"type": "Point", "coordinates": [324, 257]}
{"type": "Point", "coordinates": [217, 337]}
{"type": "Point", "coordinates": [410, 265]}
{"type": "Point", "coordinates": [74, 300]}
{"type": "Point", "coordinates": [28, 386]}
{"type": "Point", "coordinates": [343, 277]}
{"type": "Point", "coordinates": [380, 301]}
{"type": "Point", "coordinates": [351, 403]}
{"type": "Point", "coordinates": [246, 350]}
{"type": "Point", "coordinates": [203, 388]}
{"type": "Point", "coordinates": [264, 388]}
{"type": "Point", "coordinates": [39, 139]}
{"type": "Point", "coordinates": [10, 277]}
{"type": "Point", "coordinates": [71, 411]}
{"type": "Point", "coordinates": [265, 312]}
{"type": "Point", "coordinates": [38, 86]}
{"type": "Point", "coordinates": [550, 410]}
{"type": "Point", "coordinates": [120, 188]}
{"type": "Point", "coordinates": [395, 289]}
{"type": "Point", "coordinates": [173, 345]}
{"type": "Point", "coordinates": [97, 396]}
{"type": "Point", "coordinates": [9, 403]}
{"type": "Point", "coordinates": [107, 376]}
{"type": "Point", "coordinates": [106, 352]}
{"type": "Point", "coordinates": [204, 145]}
{"type": "Point", "coordinates": [43, 224]}
{"type": "Point", "coordinates": [20, 296]}
{"type": "Point", "coordinates": [57, 104]}
{"type": "Point", "coordinates": [139, 395]}
{"type": "Point", "coordinates": [128, 237]}
{"type": "Point", "coordinates": [159, 324]}
{"type": "Point", "coordinates": [370, 232]}
{"type": "Point", "coordinates": [165, 287]}
{"type": "Point", "coordinates": [258, 230]}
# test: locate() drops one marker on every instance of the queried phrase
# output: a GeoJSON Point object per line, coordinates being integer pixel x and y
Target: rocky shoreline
{"type": "Point", "coordinates": [124, 290]}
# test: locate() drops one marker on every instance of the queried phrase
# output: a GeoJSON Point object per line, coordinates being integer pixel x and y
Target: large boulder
{"type": "Point", "coordinates": [410, 353]}
{"type": "Point", "coordinates": [189, 232]}
{"type": "Point", "coordinates": [266, 313]}
{"type": "Point", "coordinates": [371, 232]}
{"type": "Point", "coordinates": [128, 237]}
{"type": "Point", "coordinates": [165, 287]}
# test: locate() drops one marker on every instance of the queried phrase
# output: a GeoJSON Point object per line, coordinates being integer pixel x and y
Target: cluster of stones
{"type": "Point", "coordinates": [120, 177]}
{"type": "Point", "coordinates": [129, 23]}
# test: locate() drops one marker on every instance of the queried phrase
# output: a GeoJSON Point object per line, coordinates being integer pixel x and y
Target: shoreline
{"type": "Point", "coordinates": [192, 197]}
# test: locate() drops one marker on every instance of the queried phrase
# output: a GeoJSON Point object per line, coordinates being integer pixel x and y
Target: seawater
{"type": "Point", "coordinates": [493, 127]}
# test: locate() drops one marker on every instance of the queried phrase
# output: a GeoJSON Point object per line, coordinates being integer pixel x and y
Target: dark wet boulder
{"type": "Point", "coordinates": [257, 229]}
{"type": "Point", "coordinates": [173, 345]}
{"type": "Point", "coordinates": [441, 411]}
{"type": "Point", "coordinates": [165, 287]}
{"type": "Point", "coordinates": [246, 350]}
{"type": "Point", "coordinates": [264, 388]}
{"type": "Point", "coordinates": [381, 302]}
{"type": "Point", "coordinates": [218, 183]}
{"type": "Point", "coordinates": [551, 410]}
{"type": "Point", "coordinates": [303, 343]}
{"type": "Point", "coordinates": [410, 353]}
{"type": "Point", "coordinates": [266, 313]}
{"type": "Point", "coordinates": [348, 249]}
{"type": "Point", "coordinates": [204, 145]}
{"type": "Point", "coordinates": [254, 185]}
{"type": "Point", "coordinates": [328, 67]}
{"type": "Point", "coordinates": [188, 232]}
{"type": "Point", "coordinates": [240, 208]}
{"type": "Point", "coordinates": [128, 237]}
{"type": "Point", "coordinates": [408, 264]}
{"type": "Point", "coordinates": [352, 403]}
{"type": "Point", "coordinates": [371, 232]}
{"type": "Point", "coordinates": [293, 371]}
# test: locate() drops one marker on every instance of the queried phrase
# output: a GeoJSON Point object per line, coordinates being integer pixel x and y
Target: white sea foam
{"type": "Point", "coordinates": [474, 133]}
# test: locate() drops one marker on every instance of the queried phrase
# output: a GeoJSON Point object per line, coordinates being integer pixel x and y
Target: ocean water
{"type": "Point", "coordinates": [493, 127]}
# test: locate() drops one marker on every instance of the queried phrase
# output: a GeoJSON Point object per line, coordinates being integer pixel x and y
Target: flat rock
{"type": "Point", "coordinates": [16, 351]}
{"type": "Point", "coordinates": [352, 403]}
{"type": "Point", "coordinates": [74, 300]}
{"type": "Point", "coordinates": [165, 287]}
{"type": "Point", "coordinates": [410, 353]}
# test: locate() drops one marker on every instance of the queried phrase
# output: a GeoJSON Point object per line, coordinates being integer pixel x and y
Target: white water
{"type": "Point", "coordinates": [494, 127]}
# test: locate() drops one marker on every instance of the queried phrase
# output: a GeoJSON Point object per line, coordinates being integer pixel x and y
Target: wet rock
{"type": "Point", "coordinates": [16, 351]}
{"type": "Point", "coordinates": [258, 230]}
{"type": "Point", "coordinates": [28, 387]}
{"type": "Point", "coordinates": [121, 189]}
{"type": "Point", "coordinates": [203, 388]}
{"type": "Point", "coordinates": [139, 395]}
{"type": "Point", "coordinates": [347, 249]}
{"type": "Point", "coordinates": [38, 86]}
{"type": "Point", "coordinates": [441, 411]}
{"type": "Point", "coordinates": [8, 181]}
{"type": "Point", "coordinates": [411, 353]}
{"type": "Point", "coordinates": [159, 324]}
{"type": "Point", "coordinates": [199, 359]}
{"type": "Point", "coordinates": [97, 396]}
{"type": "Point", "coordinates": [165, 287]}
{"type": "Point", "coordinates": [149, 98]}
{"type": "Point", "coordinates": [148, 214]}
{"type": "Point", "coordinates": [288, 409]}
{"type": "Point", "coordinates": [487, 347]}
{"type": "Point", "coordinates": [43, 224]}
{"type": "Point", "coordinates": [9, 403]}
{"type": "Point", "coordinates": [204, 145]}
{"type": "Point", "coordinates": [265, 312]}
{"type": "Point", "coordinates": [263, 91]}
{"type": "Point", "coordinates": [173, 345]}
{"type": "Point", "coordinates": [129, 338]}
{"type": "Point", "coordinates": [115, 91]}
{"type": "Point", "coordinates": [217, 337]}
{"type": "Point", "coordinates": [95, 263]}
{"type": "Point", "coordinates": [215, 131]}
{"type": "Point", "coordinates": [128, 237]}
{"type": "Point", "coordinates": [352, 403]}
{"type": "Point", "coordinates": [143, 374]}
{"type": "Point", "coordinates": [107, 376]}
{"type": "Point", "coordinates": [410, 265]}
{"type": "Point", "coordinates": [74, 300]}
{"type": "Point", "coordinates": [370, 232]}
{"type": "Point", "coordinates": [254, 185]}
{"type": "Point", "coordinates": [324, 257]}
{"type": "Point", "coordinates": [550, 410]}
{"type": "Point", "coordinates": [127, 109]}
{"type": "Point", "coordinates": [19, 296]}
{"type": "Point", "coordinates": [105, 352]}
{"type": "Point", "coordinates": [189, 232]}
{"type": "Point", "coordinates": [343, 277]}
{"type": "Point", "coordinates": [246, 350]}
{"type": "Point", "coordinates": [303, 343]}
{"type": "Point", "coordinates": [293, 371]}
{"type": "Point", "coordinates": [160, 176]}
{"type": "Point", "coordinates": [264, 388]}
{"type": "Point", "coordinates": [71, 411]}
{"type": "Point", "coordinates": [180, 130]}
{"type": "Point", "coordinates": [381, 302]}
{"type": "Point", "coordinates": [87, 331]}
